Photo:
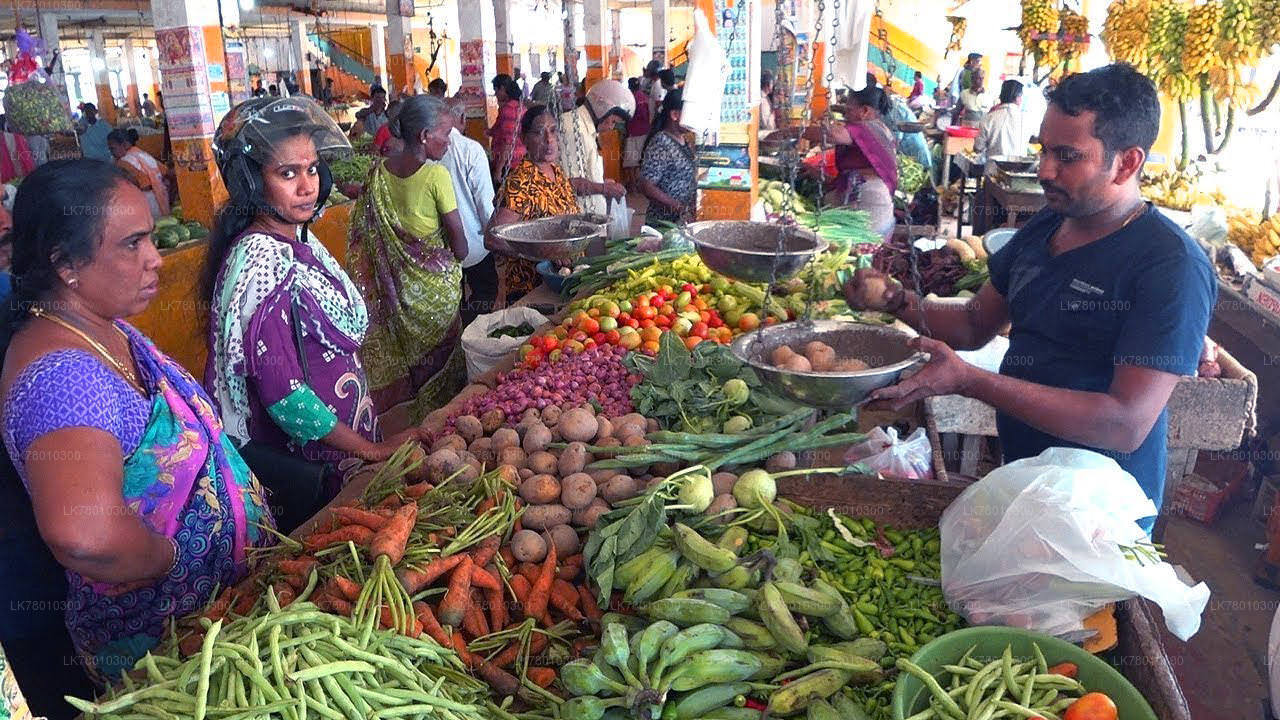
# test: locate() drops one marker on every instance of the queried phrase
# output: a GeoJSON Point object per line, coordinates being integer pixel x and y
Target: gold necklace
{"type": "Point", "coordinates": [127, 372]}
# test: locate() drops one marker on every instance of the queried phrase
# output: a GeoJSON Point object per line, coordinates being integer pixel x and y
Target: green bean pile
{"type": "Point", "coordinates": [1002, 687]}
{"type": "Point", "coordinates": [297, 663]}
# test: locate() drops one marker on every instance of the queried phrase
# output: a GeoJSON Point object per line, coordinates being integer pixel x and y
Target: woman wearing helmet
{"type": "Point", "coordinates": [405, 252]}
{"type": "Point", "coordinates": [286, 322]}
{"type": "Point", "coordinates": [608, 103]}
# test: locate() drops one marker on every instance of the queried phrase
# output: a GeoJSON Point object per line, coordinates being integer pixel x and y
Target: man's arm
{"type": "Point", "coordinates": [1119, 419]}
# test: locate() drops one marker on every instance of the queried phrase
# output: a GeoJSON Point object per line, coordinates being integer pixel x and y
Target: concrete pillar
{"type": "Point", "coordinates": [595, 42]}
{"type": "Point", "coordinates": [615, 42]}
{"type": "Point", "coordinates": [101, 82]}
{"type": "Point", "coordinates": [379, 49]}
{"type": "Point", "coordinates": [504, 36]}
{"type": "Point", "coordinates": [399, 51]}
{"type": "Point", "coordinates": [49, 33]}
{"type": "Point", "coordinates": [476, 23]}
{"type": "Point", "coordinates": [132, 98]}
{"type": "Point", "coordinates": [658, 10]}
{"type": "Point", "coordinates": [194, 81]}
{"type": "Point", "coordinates": [570, 60]}
{"type": "Point", "coordinates": [298, 43]}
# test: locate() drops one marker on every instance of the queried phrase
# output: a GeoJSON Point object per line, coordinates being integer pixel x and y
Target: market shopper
{"type": "Point", "coordinates": [1109, 300]}
{"type": "Point", "coordinates": [134, 485]}
{"type": "Point", "coordinates": [866, 157]}
{"type": "Point", "coordinates": [668, 175]}
{"type": "Point", "coordinates": [768, 117]}
{"type": "Point", "coordinates": [637, 130]}
{"type": "Point", "coordinates": [607, 104]}
{"type": "Point", "coordinates": [468, 167]}
{"type": "Point", "coordinates": [144, 170]}
{"type": "Point", "coordinates": [16, 157]}
{"type": "Point", "coordinates": [286, 322]}
{"type": "Point", "coordinates": [506, 149]}
{"type": "Point", "coordinates": [405, 251]}
{"type": "Point", "coordinates": [973, 104]}
{"type": "Point", "coordinates": [535, 189]}
{"type": "Point", "coordinates": [375, 116]}
{"type": "Point", "coordinates": [1001, 131]}
{"type": "Point", "coordinates": [93, 133]}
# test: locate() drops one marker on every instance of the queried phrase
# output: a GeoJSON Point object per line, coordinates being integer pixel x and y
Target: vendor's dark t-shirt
{"type": "Point", "coordinates": [1140, 296]}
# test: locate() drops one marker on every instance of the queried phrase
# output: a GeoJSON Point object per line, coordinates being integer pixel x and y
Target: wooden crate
{"type": "Point", "coordinates": [1140, 655]}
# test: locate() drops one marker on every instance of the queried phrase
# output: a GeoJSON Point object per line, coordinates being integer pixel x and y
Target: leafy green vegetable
{"type": "Point", "coordinates": [521, 330]}
{"type": "Point", "coordinates": [626, 532]}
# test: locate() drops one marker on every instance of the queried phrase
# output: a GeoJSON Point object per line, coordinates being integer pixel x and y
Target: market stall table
{"type": "Point", "coordinates": [969, 165]}
{"type": "Point", "coordinates": [1019, 201]}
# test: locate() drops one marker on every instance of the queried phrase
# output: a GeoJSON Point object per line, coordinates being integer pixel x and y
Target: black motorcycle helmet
{"type": "Point", "coordinates": [247, 135]}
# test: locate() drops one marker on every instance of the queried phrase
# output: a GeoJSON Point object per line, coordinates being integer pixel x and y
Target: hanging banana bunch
{"type": "Point", "coordinates": [1074, 30]}
{"type": "Point", "coordinates": [1237, 35]}
{"type": "Point", "coordinates": [1199, 53]}
{"type": "Point", "coordinates": [1266, 29]}
{"type": "Point", "coordinates": [1168, 30]}
{"type": "Point", "coordinates": [958, 26]}
{"type": "Point", "coordinates": [1126, 33]}
{"type": "Point", "coordinates": [1039, 18]}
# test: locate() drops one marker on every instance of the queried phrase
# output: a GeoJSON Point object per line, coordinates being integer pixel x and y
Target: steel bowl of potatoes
{"type": "Point", "coordinates": [828, 363]}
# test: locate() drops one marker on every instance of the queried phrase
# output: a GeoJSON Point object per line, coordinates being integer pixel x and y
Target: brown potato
{"type": "Point", "coordinates": [720, 504]}
{"type": "Point", "coordinates": [542, 462]}
{"type": "Point", "coordinates": [850, 365]}
{"type": "Point", "coordinates": [551, 415]}
{"type": "Point", "coordinates": [564, 538]}
{"type": "Point", "coordinates": [577, 491]}
{"type": "Point", "coordinates": [540, 489]}
{"type": "Point", "coordinates": [779, 462]}
{"type": "Point", "coordinates": [511, 456]}
{"type": "Point", "coordinates": [573, 459]}
{"type": "Point", "coordinates": [628, 429]}
{"type": "Point", "coordinates": [820, 355]}
{"type": "Point", "coordinates": [536, 437]}
{"type": "Point", "coordinates": [722, 482]}
{"type": "Point", "coordinates": [469, 427]}
{"type": "Point", "coordinates": [635, 441]}
{"type": "Point", "coordinates": [528, 546]}
{"type": "Point", "coordinates": [796, 363]}
{"type": "Point", "coordinates": [541, 517]}
{"type": "Point", "coordinates": [587, 517]}
{"type": "Point", "coordinates": [601, 476]}
{"type": "Point", "coordinates": [578, 425]}
{"type": "Point", "coordinates": [505, 437]}
{"type": "Point", "coordinates": [618, 488]}
{"type": "Point", "coordinates": [651, 425]}
{"type": "Point", "coordinates": [509, 475]}
{"type": "Point", "coordinates": [781, 354]}
{"type": "Point", "coordinates": [492, 420]}
{"type": "Point", "coordinates": [455, 443]}
{"type": "Point", "coordinates": [443, 463]}
{"type": "Point", "coordinates": [419, 455]}
{"type": "Point", "coordinates": [526, 473]}
{"type": "Point", "coordinates": [482, 449]}
{"type": "Point", "coordinates": [604, 428]}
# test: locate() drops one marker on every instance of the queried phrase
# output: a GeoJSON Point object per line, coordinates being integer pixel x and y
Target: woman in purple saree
{"type": "Point", "coordinates": [136, 489]}
{"type": "Point", "coordinates": [866, 158]}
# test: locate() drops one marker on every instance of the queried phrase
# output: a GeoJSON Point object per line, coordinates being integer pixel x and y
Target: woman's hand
{"type": "Point", "coordinates": [379, 452]}
{"type": "Point", "coordinates": [611, 189]}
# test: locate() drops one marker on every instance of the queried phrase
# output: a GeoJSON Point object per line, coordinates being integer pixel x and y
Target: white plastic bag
{"type": "Point", "coordinates": [619, 219]}
{"type": "Point", "coordinates": [1038, 544]}
{"type": "Point", "coordinates": [483, 352]}
{"type": "Point", "coordinates": [882, 453]}
{"type": "Point", "coordinates": [703, 80]}
{"type": "Point", "coordinates": [1208, 225]}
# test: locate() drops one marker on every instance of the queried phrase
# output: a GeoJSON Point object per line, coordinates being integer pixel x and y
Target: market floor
{"type": "Point", "coordinates": [1223, 668]}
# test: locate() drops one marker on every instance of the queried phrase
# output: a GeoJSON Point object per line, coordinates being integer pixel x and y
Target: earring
{"type": "Point", "coordinates": [73, 282]}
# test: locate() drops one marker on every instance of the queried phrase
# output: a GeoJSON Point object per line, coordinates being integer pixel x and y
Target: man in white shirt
{"type": "Point", "coordinates": [1001, 131]}
{"type": "Point", "coordinates": [608, 103]}
{"type": "Point", "coordinates": [468, 166]}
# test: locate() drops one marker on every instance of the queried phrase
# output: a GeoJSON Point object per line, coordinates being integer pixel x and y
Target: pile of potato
{"type": "Point", "coordinates": [562, 498]}
{"type": "Point", "coordinates": [818, 357]}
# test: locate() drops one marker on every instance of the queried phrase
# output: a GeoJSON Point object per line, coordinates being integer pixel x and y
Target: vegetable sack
{"type": "Point", "coordinates": [484, 352]}
{"type": "Point", "coordinates": [1044, 542]}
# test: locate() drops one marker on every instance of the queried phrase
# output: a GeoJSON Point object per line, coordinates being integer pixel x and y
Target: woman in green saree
{"type": "Point", "coordinates": [406, 247]}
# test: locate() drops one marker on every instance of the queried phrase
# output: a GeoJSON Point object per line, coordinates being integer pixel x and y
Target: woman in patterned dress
{"type": "Point", "coordinates": [536, 188]}
{"type": "Point", "coordinates": [286, 321]}
{"type": "Point", "coordinates": [135, 487]}
{"type": "Point", "coordinates": [668, 173]}
{"type": "Point", "coordinates": [405, 250]}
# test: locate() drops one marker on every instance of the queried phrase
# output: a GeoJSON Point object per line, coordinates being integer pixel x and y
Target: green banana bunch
{"type": "Point", "coordinates": [649, 582]}
{"type": "Point", "coordinates": [734, 539]}
{"type": "Point", "coordinates": [707, 698]}
{"type": "Point", "coordinates": [686, 572]}
{"type": "Point", "coordinates": [685, 611]}
{"type": "Point", "coordinates": [805, 601]}
{"type": "Point", "coordinates": [754, 635]}
{"type": "Point", "coordinates": [778, 619]}
{"type": "Point", "coordinates": [583, 677]}
{"type": "Point", "coordinates": [631, 569]}
{"type": "Point", "coordinates": [798, 694]}
{"type": "Point", "coordinates": [688, 641]}
{"type": "Point", "coordinates": [732, 600]}
{"type": "Point", "coordinates": [715, 666]}
{"type": "Point", "coordinates": [702, 552]}
{"type": "Point", "coordinates": [588, 707]}
{"type": "Point", "coordinates": [840, 623]}
{"type": "Point", "coordinates": [649, 643]}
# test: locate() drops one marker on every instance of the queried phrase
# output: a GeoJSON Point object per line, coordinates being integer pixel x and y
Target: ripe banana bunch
{"type": "Point", "coordinates": [1177, 190]}
{"type": "Point", "coordinates": [1229, 85]}
{"type": "Point", "coordinates": [958, 26]}
{"type": "Point", "coordinates": [1074, 29]}
{"type": "Point", "coordinates": [1266, 31]}
{"type": "Point", "coordinates": [1237, 37]}
{"type": "Point", "coordinates": [1125, 32]}
{"type": "Point", "coordinates": [1199, 43]}
{"type": "Point", "coordinates": [1257, 237]}
{"type": "Point", "coordinates": [1040, 16]}
{"type": "Point", "coordinates": [1168, 30]}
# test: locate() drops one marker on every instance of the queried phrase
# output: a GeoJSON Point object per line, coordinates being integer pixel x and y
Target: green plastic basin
{"type": "Point", "coordinates": [910, 695]}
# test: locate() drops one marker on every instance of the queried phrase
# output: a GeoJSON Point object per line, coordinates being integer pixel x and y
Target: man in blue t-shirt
{"type": "Point", "coordinates": [1108, 300]}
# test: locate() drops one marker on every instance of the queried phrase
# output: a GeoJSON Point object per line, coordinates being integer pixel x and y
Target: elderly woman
{"type": "Point", "coordinates": [142, 169]}
{"type": "Point", "coordinates": [135, 487]}
{"type": "Point", "coordinates": [535, 189]}
{"type": "Point", "coordinates": [286, 322]}
{"type": "Point", "coordinates": [405, 251]}
{"type": "Point", "coordinates": [866, 158]}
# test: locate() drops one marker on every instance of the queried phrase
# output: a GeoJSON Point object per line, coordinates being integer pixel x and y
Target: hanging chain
{"type": "Point", "coordinates": [890, 64]}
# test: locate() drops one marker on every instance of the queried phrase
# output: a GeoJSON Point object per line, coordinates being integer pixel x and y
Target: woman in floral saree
{"type": "Point", "coordinates": [135, 487]}
{"type": "Point", "coordinates": [405, 251]}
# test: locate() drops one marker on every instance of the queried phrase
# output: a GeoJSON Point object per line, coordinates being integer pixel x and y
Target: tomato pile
{"type": "Point", "coordinates": [693, 312]}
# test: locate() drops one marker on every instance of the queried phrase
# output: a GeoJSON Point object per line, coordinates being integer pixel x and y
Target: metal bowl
{"type": "Point", "coordinates": [883, 347]}
{"type": "Point", "coordinates": [748, 250]}
{"type": "Point", "coordinates": [563, 237]}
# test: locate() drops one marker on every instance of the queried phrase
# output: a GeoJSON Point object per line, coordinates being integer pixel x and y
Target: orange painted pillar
{"type": "Point", "coordinates": [132, 99]}
{"type": "Point", "coordinates": [193, 78]}
{"type": "Point", "coordinates": [102, 85]}
{"type": "Point", "coordinates": [298, 36]}
{"type": "Point", "coordinates": [596, 41]}
{"type": "Point", "coordinates": [504, 37]}
{"type": "Point", "coordinates": [476, 22]}
{"type": "Point", "coordinates": [400, 69]}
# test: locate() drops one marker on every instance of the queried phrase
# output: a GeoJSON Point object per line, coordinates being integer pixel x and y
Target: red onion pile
{"type": "Point", "coordinates": [572, 381]}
